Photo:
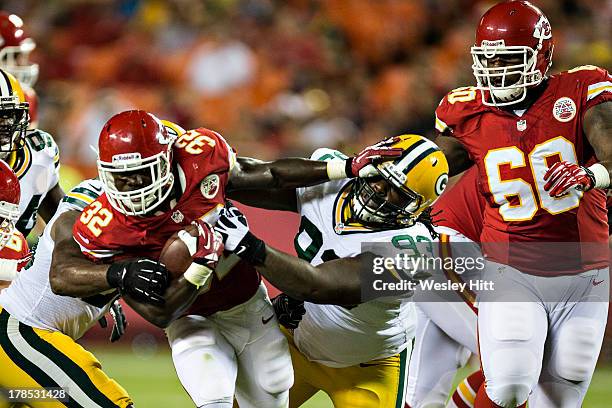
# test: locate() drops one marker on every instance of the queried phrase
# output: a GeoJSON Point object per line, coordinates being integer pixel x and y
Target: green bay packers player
{"type": "Point", "coordinates": [39, 329]}
{"type": "Point", "coordinates": [356, 354]}
{"type": "Point", "coordinates": [32, 154]}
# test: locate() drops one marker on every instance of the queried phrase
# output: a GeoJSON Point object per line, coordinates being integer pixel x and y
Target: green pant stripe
{"type": "Point", "coordinates": [76, 373]}
{"type": "Point", "coordinates": [24, 364]}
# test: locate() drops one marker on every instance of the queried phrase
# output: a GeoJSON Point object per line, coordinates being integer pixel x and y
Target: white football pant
{"type": "Point", "coordinates": [237, 353]}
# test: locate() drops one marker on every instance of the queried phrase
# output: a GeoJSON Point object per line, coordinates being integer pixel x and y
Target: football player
{"type": "Point", "coordinates": [14, 251]}
{"type": "Point", "coordinates": [15, 52]}
{"type": "Point", "coordinates": [39, 328]}
{"type": "Point", "coordinates": [446, 326]}
{"type": "Point", "coordinates": [228, 343]}
{"type": "Point", "coordinates": [355, 352]}
{"type": "Point", "coordinates": [32, 154]}
{"type": "Point", "coordinates": [541, 147]}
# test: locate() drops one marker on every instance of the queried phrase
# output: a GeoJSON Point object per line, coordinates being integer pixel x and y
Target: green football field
{"type": "Point", "coordinates": [151, 381]}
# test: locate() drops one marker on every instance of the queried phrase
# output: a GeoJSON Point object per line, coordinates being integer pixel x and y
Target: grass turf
{"type": "Point", "coordinates": [151, 380]}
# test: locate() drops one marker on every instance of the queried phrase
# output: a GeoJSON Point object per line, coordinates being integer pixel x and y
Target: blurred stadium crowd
{"type": "Point", "coordinates": [278, 78]}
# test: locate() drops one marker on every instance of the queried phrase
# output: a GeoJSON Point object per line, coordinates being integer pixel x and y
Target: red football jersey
{"type": "Point", "coordinates": [201, 173]}
{"type": "Point", "coordinates": [513, 152]}
{"type": "Point", "coordinates": [16, 253]}
{"type": "Point", "coordinates": [461, 207]}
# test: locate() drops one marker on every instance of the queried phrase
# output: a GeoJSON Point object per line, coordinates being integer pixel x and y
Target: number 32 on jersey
{"type": "Point", "coordinates": [527, 206]}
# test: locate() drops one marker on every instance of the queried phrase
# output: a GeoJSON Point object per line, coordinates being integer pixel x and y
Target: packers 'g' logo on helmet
{"type": "Point", "coordinates": [419, 176]}
{"type": "Point", "coordinates": [14, 114]}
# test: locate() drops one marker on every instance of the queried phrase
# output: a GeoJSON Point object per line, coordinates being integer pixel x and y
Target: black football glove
{"type": "Point", "coordinates": [143, 279]}
{"type": "Point", "coordinates": [119, 319]}
{"type": "Point", "coordinates": [288, 311]}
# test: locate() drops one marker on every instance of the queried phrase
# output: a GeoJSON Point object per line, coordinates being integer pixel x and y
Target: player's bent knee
{"type": "Point", "coordinates": [510, 381]}
{"type": "Point", "coordinates": [578, 349]}
{"type": "Point", "coordinates": [277, 374]}
{"type": "Point", "coordinates": [512, 322]}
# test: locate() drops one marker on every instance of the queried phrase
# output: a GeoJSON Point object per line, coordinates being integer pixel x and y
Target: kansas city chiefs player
{"type": "Point", "coordinates": [446, 328]}
{"type": "Point", "coordinates": [228, 345]}
{"type": "Point", "coordinates": [15, 49]}
{"type": "Point", "coordinates": [14, 251]}
{"type": "Point", "coordinates": [541, 146]}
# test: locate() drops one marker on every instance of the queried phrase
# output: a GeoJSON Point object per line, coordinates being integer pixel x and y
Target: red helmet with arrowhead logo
{"type": "Point", "coordinates": [135, 142]}
{"type": "Point", "coordinates": [518, 32]}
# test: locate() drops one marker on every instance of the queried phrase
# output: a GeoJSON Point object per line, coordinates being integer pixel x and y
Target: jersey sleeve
{"type": "Point", "coordinates": [43, 142]}
{"type": "Point", "coordinates": [598, 84]}
{"type": "Point", "coordinates": [220, 156]}
{"type": "Point", "coordinates": [321, 154]}
{"type": "Point", "coordinates": [456, 105]}
{"type": "Point", "coordinates": [84, 198]}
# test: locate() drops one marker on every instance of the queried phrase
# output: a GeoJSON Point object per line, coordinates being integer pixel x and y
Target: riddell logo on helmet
{"type": "Point", "coordinates": [126, 157]}
{"type": "Point", "coordinates": [492, 44]}
{"type": "Point", "coordinates": [542, 30]}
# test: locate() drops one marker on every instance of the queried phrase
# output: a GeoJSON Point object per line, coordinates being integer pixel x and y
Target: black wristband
{"type": "Point", "coordinates": [114, 274]}
{"type": "Point", "coordinates": [254, 251]}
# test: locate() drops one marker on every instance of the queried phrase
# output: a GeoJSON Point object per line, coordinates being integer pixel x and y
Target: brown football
{"type": "Point", "coordinates": [175, 254]}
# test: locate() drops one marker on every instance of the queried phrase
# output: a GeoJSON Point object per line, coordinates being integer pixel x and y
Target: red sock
{"type": "Point", "coordinates": [483, 401]}
{"type": "Point", "coordinates": [465, 394]}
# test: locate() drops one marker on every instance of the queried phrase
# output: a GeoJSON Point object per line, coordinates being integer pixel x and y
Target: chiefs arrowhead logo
{"type": "Point", "coordinates": [542, 30]}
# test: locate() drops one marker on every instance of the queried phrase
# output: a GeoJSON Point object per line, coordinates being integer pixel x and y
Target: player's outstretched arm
{"type": "Point", "coordinates": [333, 282]}
{"type": "Point", "coordinates": [283, 176]}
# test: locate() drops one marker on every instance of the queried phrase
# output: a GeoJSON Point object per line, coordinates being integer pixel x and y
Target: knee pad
{"type": "Point", "coordinates": [277, 371]}
{"type": "Point", "coordinates": [512, 377]}
{"type": "Point", "coordinates": [511, 321]}
{"type": "Point", "coordinates": [578, 348]}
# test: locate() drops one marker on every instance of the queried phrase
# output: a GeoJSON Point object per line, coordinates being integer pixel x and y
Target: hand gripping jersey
{"type": "Point", "coordinates": [513, 152]}
{"type": "Point", "coordinates": [461, 207]}
{"type": "Point", "coordinates": [36, 165]}
{"type": "Point", "coordinates": [334, 335]}
{"type": "Point", "coordinates": [202, 161]}
{"type": "Point", "coordinates": [30, 299]}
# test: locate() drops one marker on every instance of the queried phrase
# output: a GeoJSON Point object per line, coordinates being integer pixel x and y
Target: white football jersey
{"type": "Point", "coordinates": [339, 336]}
{"type": "Point", "coordinates": [30, 299]}
{"type": "Point", "coordinates": [37, 167]}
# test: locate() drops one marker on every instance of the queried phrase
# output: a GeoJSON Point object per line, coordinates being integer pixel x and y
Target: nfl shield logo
{"type": "Point", "coordinates": [177, 217]}
{"type": "Point", "coordinates": [521, 125]}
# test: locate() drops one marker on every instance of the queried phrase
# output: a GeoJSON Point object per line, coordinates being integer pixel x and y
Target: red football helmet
{"type": "Point", "coordinates": [135, 141]}
{"type": "Point", "coordinates": [15, 48]}
{"type": "Point", "coordinates": [511, 29]}
{"type": "Point", "coordinates": [10, 192]}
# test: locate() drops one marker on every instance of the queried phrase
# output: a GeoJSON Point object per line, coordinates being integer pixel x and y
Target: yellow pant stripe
{"type": "Point", "coordinates": [52, 358]}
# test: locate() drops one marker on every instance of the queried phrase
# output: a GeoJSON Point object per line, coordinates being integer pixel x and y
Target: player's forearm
{"type": "Point", "coordinates": [283, 173]}
{"type": "Point", "coordinates": [275, 199]}
{"type": "Point", "coordinates": [330, 284]}
{"type": "Point", "coordinates": [4, 284]}
{"type": "Point", "coordinates": [598, 129]}
{"type": "Point", "coordinates": [177, 299]}
{"type": "Point", "coordinates": [71, 274]}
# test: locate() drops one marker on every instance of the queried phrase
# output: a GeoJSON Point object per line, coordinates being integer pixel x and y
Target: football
{"type": "Point", "coordinates": [175, 254]}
